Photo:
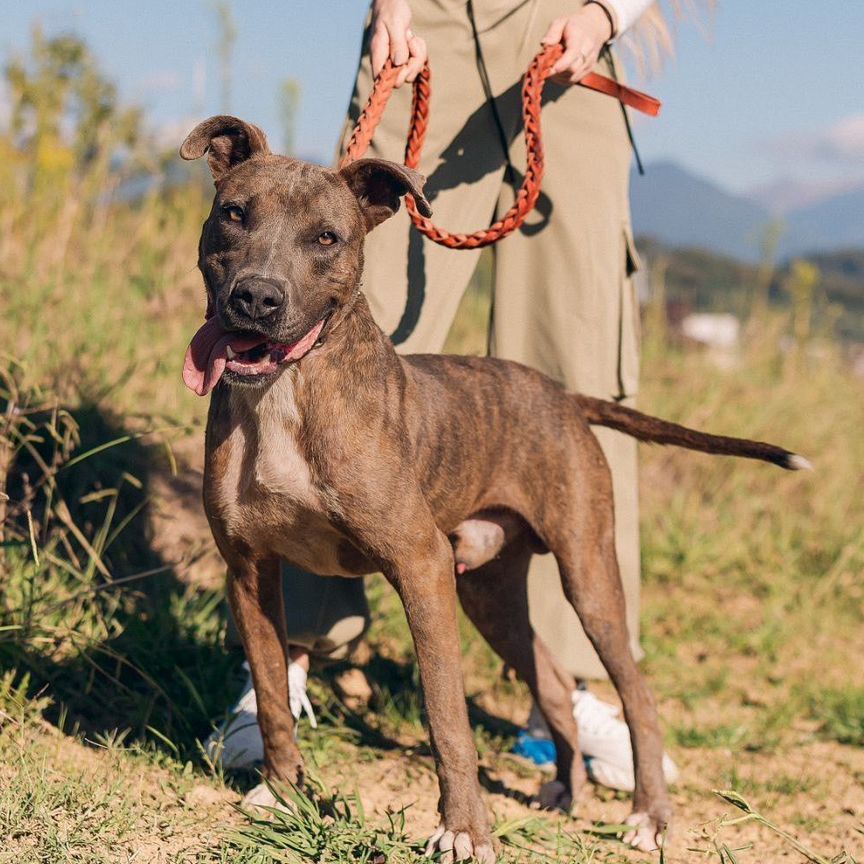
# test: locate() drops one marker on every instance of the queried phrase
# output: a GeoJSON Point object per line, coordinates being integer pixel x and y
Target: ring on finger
{"type": "Point", "coordinates": [409, 34]}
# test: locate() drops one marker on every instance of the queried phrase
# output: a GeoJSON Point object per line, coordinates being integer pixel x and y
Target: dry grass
{"type": "Point", "coordinates": [752, 603]}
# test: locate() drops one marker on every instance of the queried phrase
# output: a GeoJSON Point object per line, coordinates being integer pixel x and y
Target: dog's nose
{"type": "Point", "coordinates": [256, 298]}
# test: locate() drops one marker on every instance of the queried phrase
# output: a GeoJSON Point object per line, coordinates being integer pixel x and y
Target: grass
{"type": "Point", "coordinates": [314, 825]}
{"type": "Point", "coordinates": [749, 633]}
{"type": "Point", "coordinates": [840, 714]}
{"type": "Point", "coordinates": [112, 658]}
{"type": "Point", "coordinates": [321, 827]}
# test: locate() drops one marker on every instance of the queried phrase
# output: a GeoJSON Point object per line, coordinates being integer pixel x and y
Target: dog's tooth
{"type": "Point", "coordinates": [230, 352]}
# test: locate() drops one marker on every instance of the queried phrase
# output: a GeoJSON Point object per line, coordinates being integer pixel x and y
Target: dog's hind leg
{"type": "Point", "coordinates": [495, 598]}
{"type": "Point", "coordinates": [580, 531]}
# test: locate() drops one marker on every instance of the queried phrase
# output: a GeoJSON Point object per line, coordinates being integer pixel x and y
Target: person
{"type": "Point", "coordinates": [563, 295]}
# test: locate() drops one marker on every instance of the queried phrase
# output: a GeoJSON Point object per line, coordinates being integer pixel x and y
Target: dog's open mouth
{"type": "Point", "coordinates": [213, 350]}
{"type": "Point", "coordinates": [262, 359]}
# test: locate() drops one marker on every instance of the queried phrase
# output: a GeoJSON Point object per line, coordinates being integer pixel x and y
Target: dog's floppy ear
{"type": "Point", "coordinates": [226, 140]}
{"type": "Point", "coordinates": [378, 186]}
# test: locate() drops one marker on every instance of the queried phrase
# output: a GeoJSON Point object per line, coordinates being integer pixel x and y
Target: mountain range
{"type": "Point", "coordinates": [680, 209]}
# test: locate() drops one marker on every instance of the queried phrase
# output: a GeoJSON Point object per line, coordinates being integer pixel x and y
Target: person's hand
{"type": "Point", "coordinates": [583, 35]}
{"type": "Point", "coordinates": [392, 37]}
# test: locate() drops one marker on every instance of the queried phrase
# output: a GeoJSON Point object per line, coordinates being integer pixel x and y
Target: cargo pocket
{"type": "Point", "coordinates": [628, 322]}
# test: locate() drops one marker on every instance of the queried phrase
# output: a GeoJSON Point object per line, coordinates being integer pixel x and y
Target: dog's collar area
{"type": "Point", "coordinates": [325, 328]}
{"type": "Point", "coordinates": [347, 307]}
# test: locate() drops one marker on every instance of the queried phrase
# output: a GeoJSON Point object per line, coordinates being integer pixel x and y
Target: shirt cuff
{"type": "Point", "coordinates": [625, 13]}
{"type": "Point", "coordinates": [611, 13]}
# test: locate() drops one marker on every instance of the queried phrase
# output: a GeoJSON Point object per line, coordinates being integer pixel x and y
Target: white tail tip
{"type": "Point", "coordinates": [798, 463]}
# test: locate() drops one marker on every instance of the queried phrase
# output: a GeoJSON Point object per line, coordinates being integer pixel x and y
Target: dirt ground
{"type": "Point", "coordinates": [171, 819]}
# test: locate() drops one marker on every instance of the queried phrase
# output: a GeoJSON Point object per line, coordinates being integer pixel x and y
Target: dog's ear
{"type": "Point", "coordinates": [226, 140]}
{"type": "Point", "coordinates": [378, 186]}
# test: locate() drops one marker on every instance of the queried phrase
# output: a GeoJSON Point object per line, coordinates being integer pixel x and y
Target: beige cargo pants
{"type": "Point", "coordinates": [563, 299]}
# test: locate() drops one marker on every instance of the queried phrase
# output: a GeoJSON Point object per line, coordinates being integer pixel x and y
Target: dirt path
{"type": "Point", "coordinates": [826, 815]}
{"type": "Point", "coordinates": [128, 809]}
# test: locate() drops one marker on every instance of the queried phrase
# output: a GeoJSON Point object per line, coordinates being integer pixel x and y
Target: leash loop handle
{"type": "Point", "coordinates": [532, 95]}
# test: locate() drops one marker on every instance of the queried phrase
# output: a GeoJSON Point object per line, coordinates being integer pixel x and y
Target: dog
{"type": "Point", "coordinates": [446, 474]}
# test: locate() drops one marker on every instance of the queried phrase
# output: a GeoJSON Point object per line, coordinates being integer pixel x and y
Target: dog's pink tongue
{"type": "Point", "coordinates": [207, 355]}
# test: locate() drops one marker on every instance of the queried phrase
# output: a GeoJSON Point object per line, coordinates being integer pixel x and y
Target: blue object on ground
{"type": "Point", "coordinates": [541, 751]}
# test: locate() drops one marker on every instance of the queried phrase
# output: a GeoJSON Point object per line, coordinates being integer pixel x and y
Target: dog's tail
{"type": "Point", "coordinates": [599, 412]}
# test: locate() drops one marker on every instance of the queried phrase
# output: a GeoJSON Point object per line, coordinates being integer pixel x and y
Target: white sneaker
{"type": "Point", "coordinates": [237, 743]}
{"type": "Point", "coordinates": [604, 740]}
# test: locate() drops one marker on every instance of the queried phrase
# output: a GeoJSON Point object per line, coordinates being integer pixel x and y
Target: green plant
{"type": "Point", "coordinates": [313, 826]}
{"type": "Point", "coordinates": [711, 834]}
{"type": "Point", "coordinates": [840, 714]}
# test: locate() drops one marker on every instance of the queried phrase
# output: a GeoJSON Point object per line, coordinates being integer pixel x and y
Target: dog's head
{"type": "Point", "coordinates": [282, 249]}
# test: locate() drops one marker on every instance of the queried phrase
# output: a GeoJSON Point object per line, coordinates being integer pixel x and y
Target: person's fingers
{"type": "Point", "coordinates": [419, 49]}
{"type": "Point", "coordinates": [575, 72]}
{"type": "Point", "coordinates": [405, 71]}
{"type": "Point", "coordinates": [570, 76]}
{"type": "Point", "coordinates": [578, 58]}
{"type": "Point", "coordinates": [555, 32]}
{"type": "Point", "coordinates": [568, 59]}
{"type": "Point", "coordinates": [417, 46]}
{"type": "Point", "coordinates": [398, 44]}
{"type": "Point", "coordinates": [379, 48]}
{"type": "Point", "coordinates": [573, 40]}
{"type": "Point", "coordinates": [573, 75]}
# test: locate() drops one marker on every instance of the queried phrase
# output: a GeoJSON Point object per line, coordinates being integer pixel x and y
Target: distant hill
{"type": "Point", "coordinates": [680, 209]}
{"type": "Point", "coordinates": [834, 223]}
{"type": "Point", "coordinates": [788, 194]}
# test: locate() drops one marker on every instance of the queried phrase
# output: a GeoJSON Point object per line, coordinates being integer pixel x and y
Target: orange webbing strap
{"type": "Point", "coordinates": [635, 99]}
{"type": "Point", "coordinates": [532, 94]}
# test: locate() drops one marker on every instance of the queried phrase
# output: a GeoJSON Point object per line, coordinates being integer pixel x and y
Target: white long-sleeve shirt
{"type": "Point", "coordinates": [625, 13]}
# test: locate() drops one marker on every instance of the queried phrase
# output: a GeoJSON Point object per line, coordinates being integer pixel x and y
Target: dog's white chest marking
{"type": "Point", "coordinates": [263, 463]}
{"type": "Point", "coordinates": [280, 468]}
{"type": "Point", "coordinates": [263, 491]}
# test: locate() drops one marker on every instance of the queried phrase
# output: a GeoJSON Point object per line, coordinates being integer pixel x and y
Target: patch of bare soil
{"type": "Point", "coordinates": [178, 527]}
{"type": "Point", "coordinates": [86, 803]}
{"type": "Point", "coordinates": [824, 812]}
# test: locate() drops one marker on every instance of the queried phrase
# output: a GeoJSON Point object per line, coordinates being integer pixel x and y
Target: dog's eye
{"type": "Point", "coordinates": [234, 213]}
{"type": "Point", "coordinates": [327, 238]}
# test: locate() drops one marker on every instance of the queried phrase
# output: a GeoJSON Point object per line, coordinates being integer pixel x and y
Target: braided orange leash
{"type": "Point", "coordinates": [532, 94]}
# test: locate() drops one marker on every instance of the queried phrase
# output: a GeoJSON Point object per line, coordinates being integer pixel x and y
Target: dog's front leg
{"type": "Point", "coordinates": [425, 581]}
{"type": "Point", "coordinates": [255, 595]}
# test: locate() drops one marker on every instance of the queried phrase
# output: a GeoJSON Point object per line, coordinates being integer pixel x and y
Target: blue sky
{"type": "Point", "coordinates": [774, 95]}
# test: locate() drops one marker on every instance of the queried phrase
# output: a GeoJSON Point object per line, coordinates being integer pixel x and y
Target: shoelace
{"type": "Point", "coordinates": [298, 699]}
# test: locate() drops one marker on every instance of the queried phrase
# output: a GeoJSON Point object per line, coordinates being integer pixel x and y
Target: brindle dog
{"type": "Point", "coordinates": [446, 474]}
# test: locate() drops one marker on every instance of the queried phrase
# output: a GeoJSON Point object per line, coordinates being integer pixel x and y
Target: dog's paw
{"type": "Point", "coordinates": [458, 846]}
{"type": "Point", "coordinates": [555, 795]}
{"type": "Point", "coordinates": [262, 797]}
{"type": "Point", "coordinates": [647, 832]}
